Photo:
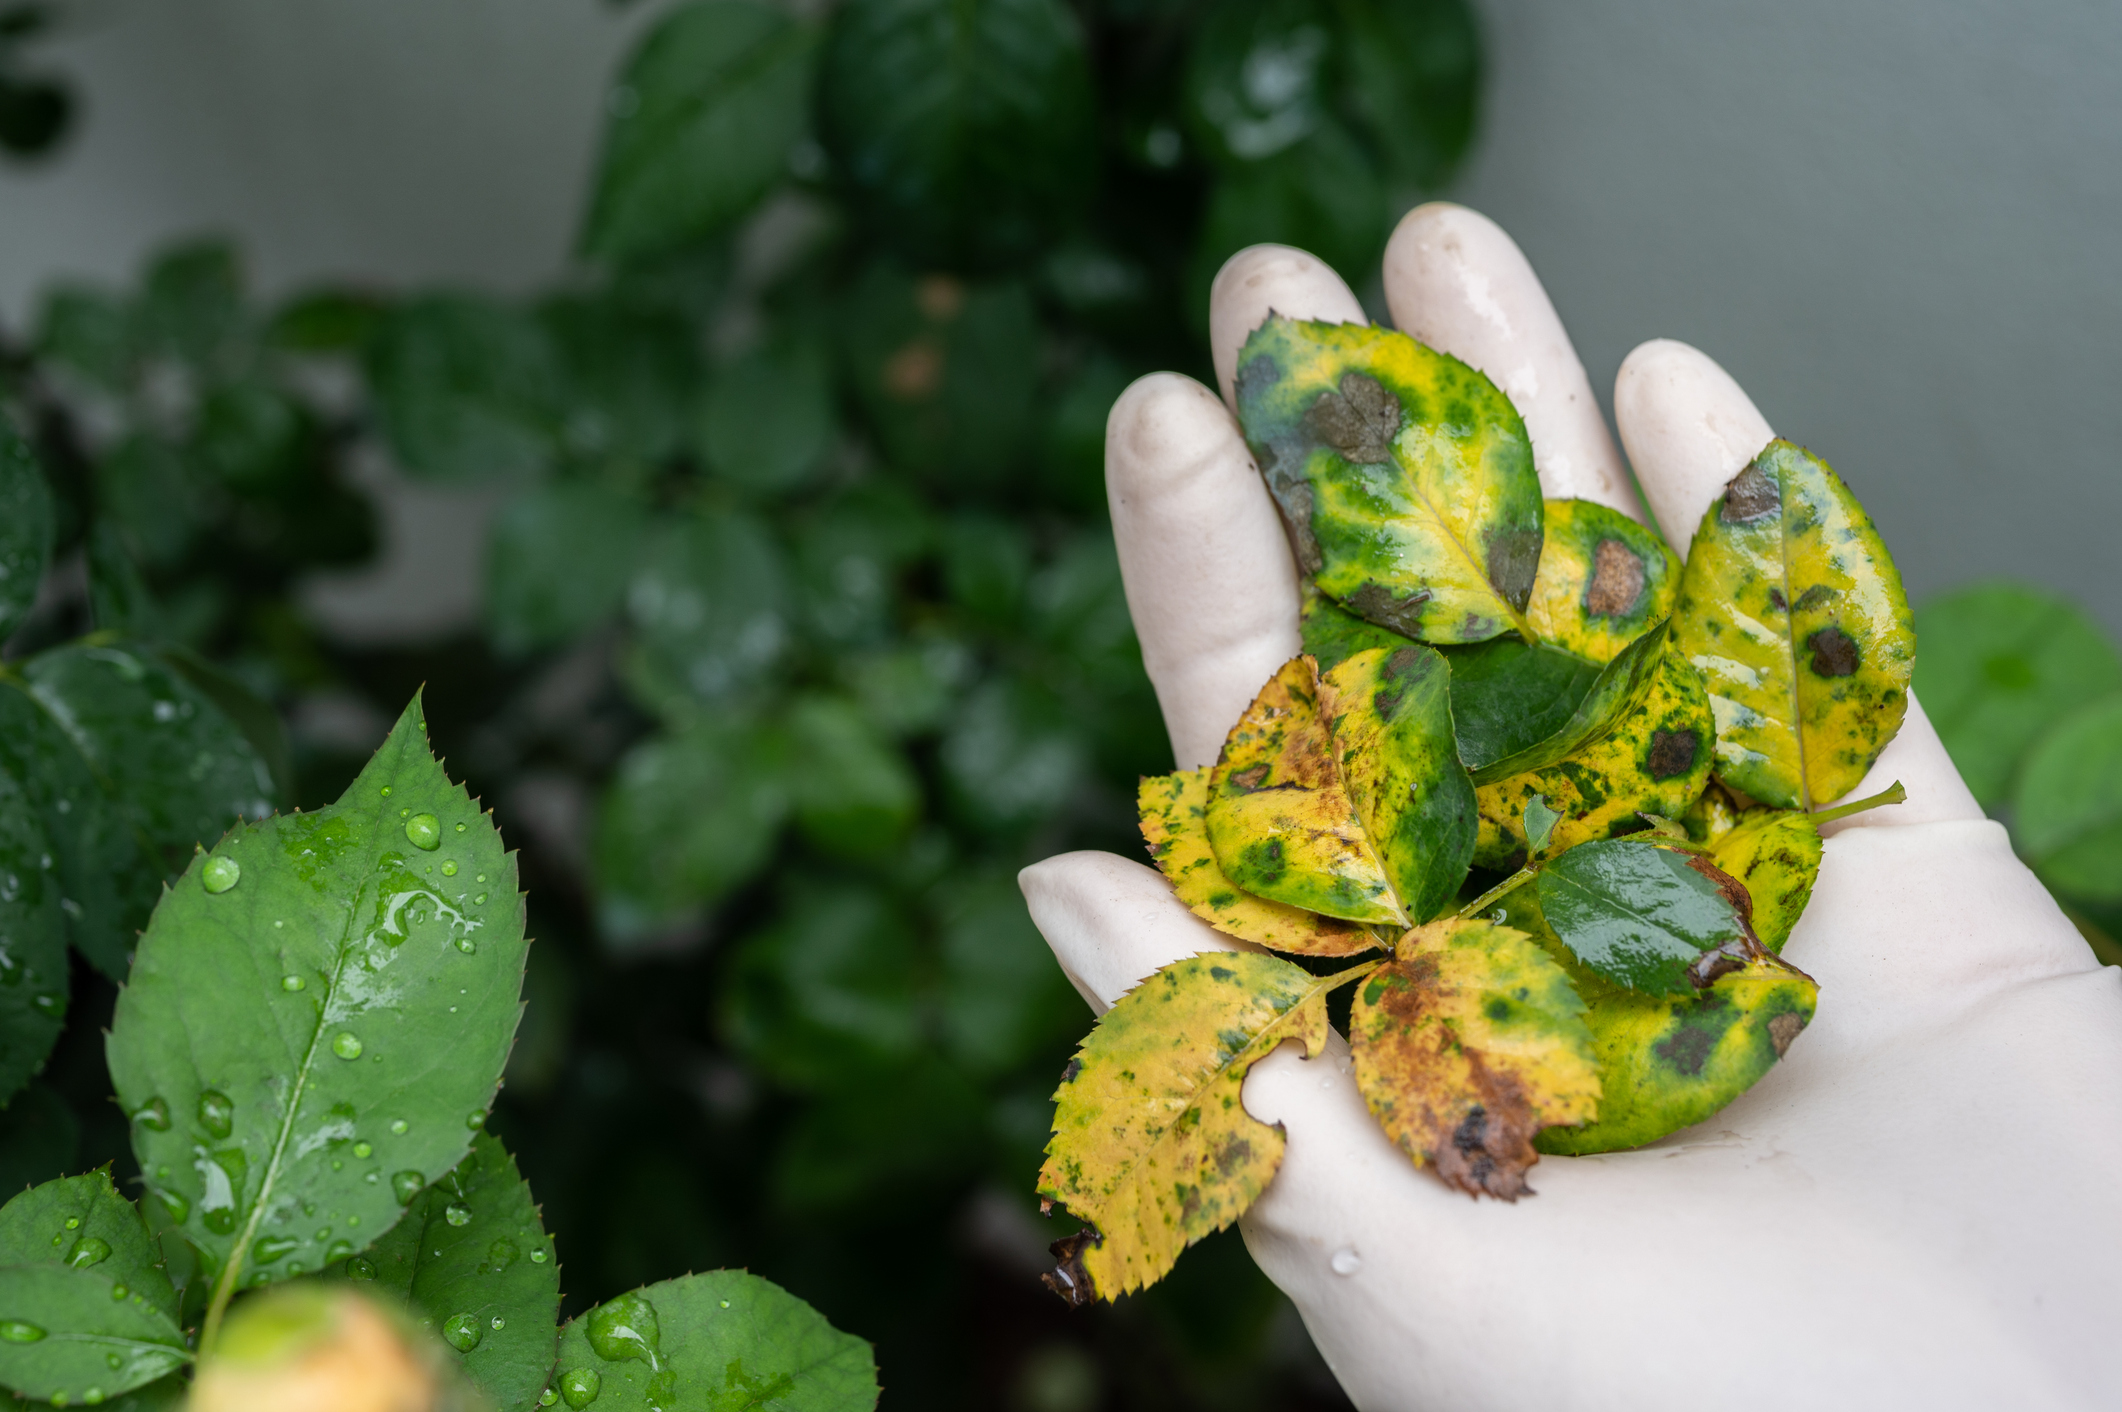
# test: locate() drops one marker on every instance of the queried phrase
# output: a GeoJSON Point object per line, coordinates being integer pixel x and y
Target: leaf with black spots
{"type": "Point", "coordinates": [1467, 1043]}
{"type": "Point", "coordinates": [1151, 1143]}
{"type": "Point", "coordinates": [1604, 580]}
{"type": "Point", "coordinates": [1656, 918]}
{"type": "Point", "coordinates": [1793, 610]}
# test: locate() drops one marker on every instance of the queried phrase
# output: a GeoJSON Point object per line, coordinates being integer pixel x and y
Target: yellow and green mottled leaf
{"type": "Point", "coordinates": [1712, 816]}
{"type": "Point", "coordinates": [1405, 477]}
{"type": "Point", "coordinates": [1280, 822]}
{"type": "Point", "coordinates": [1615, 694]}
{"type": "Point", "coordinates": [1468, 1043]}
{"type": "Point", "coordinates": [1793, 610]}
{"type": "Point", "coordinates": [1776, 853]}
{"type": "Point", "coordinates": [1604, 580]}
{"type": "Point", "coordinates": [1151, 1143]}
{"type": "Point", "coordinates": [1332, 634]}
{"type": "Point", "coordinates": [1655, 761]}
{"type": "Point", "coordinates": [1174, 823]}
{"type": "Point", "coordinates": [1388, 713]}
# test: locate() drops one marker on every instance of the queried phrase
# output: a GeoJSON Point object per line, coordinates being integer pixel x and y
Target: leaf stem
{"type": "Point", "coordinates": [1508, 885]}
{"type": "Point", "coordinates": [1892, 794]}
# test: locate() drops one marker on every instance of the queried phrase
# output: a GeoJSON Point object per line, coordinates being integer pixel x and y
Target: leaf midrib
{"type": "Point", "coordinates": [1790, 642]}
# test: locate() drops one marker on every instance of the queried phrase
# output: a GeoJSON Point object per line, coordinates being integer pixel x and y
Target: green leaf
{"type": "Point", "coordinates": [118, 596]}
{"type": "Point", "coordinates": [181, 771]}
{"type": "Point", "coordinates": [1404, 476]}
{"type": "Point", "coordinates": [1776, 853]}
{"type": "Point", "coordinates": [1604, 581]}
{"type": "Point", "coordinates": [711, 605]}
{"type": "Point", "coordinates": [1792, 609]}
{"type": "Point", "coordinates": [251, 714]}
{"type": "Point", "coordinates": [1280, 820]}
{"type": "Point", "coordinates": [828, 988]}
{"type": "Point", "coordinates": [968, 129]}
{"type": "Point", "coordinates": [881, 1136]}
{"type": "Point", "coordinates": [628, 376]}
{"type": "Point", "coordinates": [475, 1266]}
{"type": "Point", "coordinates": [1616, 695]}
{"type": "Point", "coordinates": [687, 818]}
{"type": "Point", "coordinates": [39, 1137]}
{"type": "Point", "coordinates": [1174, 813]}
{"type": "Point", "coordinates": [84, 1223]}
{"type": "Point", "coordinates": [33, 974]}
{"type": "Point", "coordinates": [1409, 74]}
{"type": "Point", "coordinates": [90, 332]}
{"type": "Point", "coordinates": [1323, 195]}
{"type": "Point", "coordinates": [1003, 998]}
{"type": "Point", "coordinates": [1467, 1043]}
{"type": "Point", "coordinates": [149, 490]}
{"type": "Point", "coordinates": [1508, 698]}
{"type": "Point", "coordinates": [191, 303]}
{"type": "Point", "coordinates": [319, 1013]}
{"type": "Point", "coordinates": [1639, 914]}
{"type": "Point", "coordinates": [724, 1339]}
{"type": "Point", "coordinates": [1388, 714]}
{"type": "Point", "coordinates": [769, 417]}
{"type": "Point", "coordinates": [25, 529]}
{"type": "Point", "coordinates": [854, 793]}
{"type": "Point", "coordinates": [68, 1334]}
{"type": "Point", "coordinates": [1332, 634]}
{"type": "Point", "coordinates": [251, 438]}
{"type": "Point", "coordinates": [326, 321]}
{"type": "Point", "coordinates": [2067, 807]}
{"type": "Point", "coordinates": [700, 126]}
{"type": "Point", "coordinates": [465, 389]}
{"type": "Point", "coordinates": [1540, 823]}
{"type": "Point", "coordinates": [2001, 664]}
{"type": "Point", "coordinates": [1013, 755]}
{"type": "Point", "coordinates": [850, 555]}
{"type": "Point", "coordinates": [1151, 1143]}
{"type": "Point", "coordinates": [557, 563]}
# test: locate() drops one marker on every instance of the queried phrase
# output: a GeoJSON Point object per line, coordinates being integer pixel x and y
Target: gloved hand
{"type": "Point", "coordinates": [1921, 1206]}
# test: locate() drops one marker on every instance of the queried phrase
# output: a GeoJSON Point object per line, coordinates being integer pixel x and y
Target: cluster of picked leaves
{"type": "Point", "coordinates": [308, 1045]}
{"type": "Point", "coordinates": [1570, 788]}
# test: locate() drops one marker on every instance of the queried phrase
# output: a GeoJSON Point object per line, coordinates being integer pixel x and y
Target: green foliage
{"type": "Point", "coordinates": [1637, 914]}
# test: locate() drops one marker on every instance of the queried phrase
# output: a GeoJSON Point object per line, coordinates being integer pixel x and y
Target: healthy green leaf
{"type": "Point", "coordinates": [2002, 663]}
{"type": "Point", "coordinates": [67, 1335]}
{"type": "Point", "coordinates": [1605, 581]}
{"type": "Point", "coordinates": [829, 987]}
{"type": "Point", "coordinates": [1793, 611]}
{"type": "Point", "coordinates": [711, 605]}
{"type": "Point", "coordinates": [1540, 823]}
{"type": "Point", "coordinates": [969, 129]}
{"type": "Point", "coordinates": [1468, 1042]}
{"type": "Point", "coordinates": [318, 1015]}
{"type": "Point", "coordinates": [25, 529]}
{"type": "Point", "coordinates": [465, 389]}
{"type": "Point", "coordinates": [1615, 695]}
{"type": "Point", "coordinates": [33, 975]}
{"type": "Point", "coordinates": [1013, 754]}
{"type": "Point", "coordinates": [1409, 74]}
{"type": "Point", "coordinates": [1639, 914]}
{"type": "Point", "coordinates": [1404, 476]}
{"type": "Point", "coordinates": [1151, 1143]}
{"type": "Point", "coordinates": [628, 375]}
{"type": "Point", "coordinates": [1003, 998]}
{"type": "Point", "coordinates": [84, 1223]}
{"type": "Point", "coordinates": [854, 793]}
{"type": "Point", "coordinates": [118, 596]}
{"type": "Point", "coordinates": [557, 563]}
{"type": "Point", "coordinates": [474, 1265]}
{"type": "Point", "coordinates": [2067, 808]}
{"type": "Point", "coordinates": [769, 417]}
{"type": "Point", "coordinates": [249, 712]}
{"type": "Point", "coordinates": [724, 1339]}
{"type": "Point", "coordinates": [700, 128]}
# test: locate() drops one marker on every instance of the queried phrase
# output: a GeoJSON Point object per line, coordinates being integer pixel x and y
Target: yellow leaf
{"type": "Point", "coordinates": [1776, 853]}
{"type": "Point", "coordinates": [1604, 580]}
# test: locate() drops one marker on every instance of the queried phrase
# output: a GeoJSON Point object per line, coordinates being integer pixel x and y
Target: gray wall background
{"type": "Point", "coordinates": [1896, 221]}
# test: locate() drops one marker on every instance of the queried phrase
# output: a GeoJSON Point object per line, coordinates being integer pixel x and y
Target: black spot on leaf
{"type": "Point", "coordinates": [1513, 559]}
{"type": "Point", "coordinates": [1834, 652]}
{"type": "Point", "coordinates": [1373, 602]}
{"type": "Point", "coordinates": [1752, 494]}
{"type": "Point", "coordinates": [1672, 753]}
{"type": "Point", "coordinates": [1617, 579]}
{"type": "Point", "coordinates": [1360, 421]}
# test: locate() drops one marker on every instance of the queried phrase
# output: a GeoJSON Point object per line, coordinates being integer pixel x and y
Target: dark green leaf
{"type": "Point", "coordinates": [1257, 80]}
{"type": "Point", "coordinates": [319, 1012]}
{"type": "Point", "coordinates": [465, 388]}
{"type": "Point", "coordinates": [1012, 755]}
{"type": "Point", "coordinates": [1408, 71]}
{"type": "Point", "coordinates": [118, 596]}
{"type": "Point", "coordinates": [987, 567]}
{"type": "Point", "coordinates": [2067, 808]}
{"type": "Point", "coordinates": [711, 604]}
{"type": "Point", "coordinates": [191, 302]}
{"type": "Point", "coordinates": [828, 990]}
{"type": "Point", "coordinates": [628, 376]}
{"type": "Point", "coordinates": [881, 1134]}
{"type": "Point", "coordinates": [34, 113]}
{"type": "Point", "coordinates": [91, 333]}
{"type": "Point", "coordinates": [855, 795]}
{"type": "Point", "coordinates": [1004, 1000]}
{"type": "Point", "coordinates": [39, 1137]}
{"type": "Point", "coordinates": [25, 528]}
{"type": "Point", "coordinates": [84, 1223]}
{"type": "Point", "coordinates": [251, 713]}
{"type": "Point", "coordinates": [68, 1335]}
{"type": "Point", "coordinates": [768, 418]}
{"type": "Point", "coordinates": [557, 563]}
{"type": "Point", "coordinates": [700, 126]}
{"type": "Point", "coordinates": [1323, 195]}
{"type": "Point", "coordinates": [850, 557]}
{"type": "Point", "coordinates": [146, 486]}
{"type": "Point", "coordinates": [910, 689]}
{"type": "Point", "coordinates": [251, 438]}
{"type": "Point", "coordinates": [1637, 914]}
{"type": "Point", "coordinates": [1072, 461]}
{"type": "Point", "coordinates": [1508, 698]}
{"type": "Point", "coordinates": [33, 976]}
{"type": "Point", "coordinates": [2000, 664]}
{"type": "Point", "coordinates": [967, 126]}
{"type": "Point", "coordinates": [1619, 690]}
{"type": "Point", "coordinates": [1332, 634]}
{"type": "Point", "coordinates": [725, 1339]}
{"type": "Point", "coordinates": [475, 1266]}
{"type": "Point", "coordinates": [326, 321]}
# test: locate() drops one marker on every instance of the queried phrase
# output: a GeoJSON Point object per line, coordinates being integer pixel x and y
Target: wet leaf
{"type": "Point", "coordinates": [466, 389]}
{"type": "Point", "coordinates": [251, 438]}
{"type": "Point", "coordinates": [711, 605]}
{"type": "Point", "coordinates": [85, 1223]}
{"type": "Point", "coordinates": [315, 1013]}
{"type": "Point", "coordinates": [87, 1337]}
{"type": "Point", "coordinates": [700, 126]}
{"type": "Point", "coordinates": [770, 417]}
{"type": "Point", "coordinates": [146, 487]}
{"type": "Point", "coordinates": [1389, 716]}
{"type": "Point", "coordinates": [2002, 663]}
{"type": "Point", "coordinates": [724, 1339]}
{"type": "Point", "coordinates": [1279, 819]}
{"type": "Point", "coordinates": [33, 972]}
{"type": "Point", "coordinates": [1404, 476]}
{"type": "Point", "coordinates": [473, 1264]}
{"type": "Point", "coordinates": [246, 710]}
{"type": "Point", "coordinates": [1655, 761]}
{"type": "Point", "coordinates": [1468, 1042]}
{"type": "Point", "coordinates": [25, 529]}
{"type": "Point", "coordinates": [1615, 696]}
{"type": "Point", "coordinates": [557, 563]}
{"type": "Point", "coordinates": [828, 988]}
{"type": "Point", "coordinates": [1793, 610]}
{"type": "Point", "coordinates": [1776, 854]}
{"type": "Point", "coordinates": [2067, 806]}
{"type": "Point", "coordinates": [1174, 823]}
{"type": "Point", "coordinates": [1604, 580]}
{"type": "Point", "coordinates": [1712, 816]}
{"type": "Point", "coordinates": [1540, 823]}
{"type": "Point", "coordinates": [1151, 1143]}
{"type": "Point", "coordinates": [854, 793]}
{"type": "Point", "coordinates": [1639, 914]}
{"type": "Point", "coordinates": [1508, 698]}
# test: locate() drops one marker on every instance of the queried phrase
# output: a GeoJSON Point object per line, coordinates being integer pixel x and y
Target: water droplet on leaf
{"type": "Point", "coordinates": [407, 1186]}
{"type": "Point", "coordinates": [548, 1398]}
{"type": "Point", "coordinates": [291, 983]}
{"type": "Point", "coordinates": [346, 1044]}
{"type": "Point", "coordinates": [19, 1331]}
{"type": "Point", "coordinates": [457, 1215]}
{"type": "Point", "coordinates": [386, 791]}
{"type": "Point", "coordinates": [153, 1115]}
{"type": "Point", "coordinates": [580, 1386]}
{"type": "Point", "coordinates": [449, 869]}
{"type": "Point", "coordinates": [625, 1328]}
{"type": "Point", "coordinates": [502, 1254]}
{"type": "Point", "coordinates": [118, 1292]}
{"type": "Point", "coordinates": [466, 945]}
{"type": "Point", "coordinates": [480, 900]}
{"type": "Point", "coordinates": [339, 1250]}
{"type": "Point", "coordinates": [462, 1332]}
{"type": "Point", "coordinates": [361, 1268]}
{"type": "Point", "coordinates": [398, 1126]}
{"type": "Point", "coordinates": [273, 1248]}
{"type": "Point", "coordinates": [424, 831]}
{"type": "Point", "coordinates": [362, 1149]}
{"type": "Point", "coordinates": [87, 1251]}
{"type": "Point", "coordinates": [497, 1322]}
{"type": "Point", "coordinates": [217, 1114]}
{"type": "Point", "coordinates": [475, 1120]}
{"type": "Point", "coordinates": [175, 1203]}
{"type": "Point", "coordinates": [220, 874]}
{"type": "Point", "coordinates": [537, 1257]}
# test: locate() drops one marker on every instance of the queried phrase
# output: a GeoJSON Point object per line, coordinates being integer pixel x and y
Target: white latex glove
{"type": "Point", "coordinates": [1921, 1206]}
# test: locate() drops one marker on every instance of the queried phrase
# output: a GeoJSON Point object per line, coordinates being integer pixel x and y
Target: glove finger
{"type": "Point", "coordinates": [1111, 922]}
{"type": "Point", "coordinates": [1689, 428]}
{"type": "Point", "coordinates": [1264, 279]}
{"type": "Point", "coordinates": [1455, 281]}
{"type": "Point", "coordinates": [1207, 570]}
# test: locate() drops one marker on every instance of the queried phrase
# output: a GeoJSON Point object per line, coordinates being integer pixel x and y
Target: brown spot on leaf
{"type": "Point", "coordinates": [1732, 889]}
{"type": "Point", "coordinates": [1751, 494]}
{"type": "Point", "coordinates": [1073, 1068]}
{"type": "Point", "coordinates": [1513, 560]}
{"type": "Point", "coordinates": [1249, 780]}
{"type": "Point", "coordinates": [1782, 1030]}
{"type": "Point", "coordinates": [1046, 1206]}
{"type": "Point", "coordinates": [1777, 601]}
{"type": "Point", "coordinates": [1360, 421]}
{"type": "Point", "coordinates": [1672, 753]}
{"type": "Point", "coordinates": [1687, 1049]}
{"type": "Point", "coordinates": [1834, 652]}
{"type": "Point", "coordinates": [915, 371]}
{"type": "Point", "coordinates": [1617, 580]}
{"type": "Point", "coordinates": [1069, 1279]}
{"type": "Point", "coordinates": [1293, 497]}
{"type": "Point", "coordinates": [1373, 602]}
{"type": "Point", "coordinates": [1492, 1145]}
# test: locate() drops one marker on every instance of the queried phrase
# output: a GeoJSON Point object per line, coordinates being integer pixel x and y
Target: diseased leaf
{"type": "Point", "coordinates": [1174, 824]}
{"type": "Point", "coordinates": [33, 974]}
{"type": "Point", "coordinates": [1604, 580]}
{"type": "Point", "coordinates": [25, 528]}
{"type": "Point", "coordinates": [1151, 1142]}
{"type": "Point", "coordinates": [1642, 915]}
{"type": "Point", "coordinates": [1404, 476]}
{"type": "Point", "coordinates": [1467, 1043]}
{"type": "Point", "coordinates": [1793, 610]}
{"type": "Point", "coordinates": [1656, 760]}
{"type": "Point", "coordinates": [2001, 664]}
{"type": "Point", "coordinates": [724, 1339]}
{"type": "Point", "coordinates": [1616, 695]}
{"type": "Point", "coordinates": [1388, 714]}
{"type": "Point", "coordinates": [474, 1266]}
{"type": "Point", "coordinates": [1332, 634]}
{"type": "Point", "coordinates": [2067, 806]}
{"type": "Point", "coordinates": [84, 1223]}
{"type": "Point", "coordinates": [318, 1013]}
{"type": "Point", "coordinates": [1279, 818]}
{"type": "Point", "coordinates": [1776, 853]}
{"type": "Point", "coordinates": [1712, 816]}
{"type": "Point", "coordinates": [70, 1334]}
